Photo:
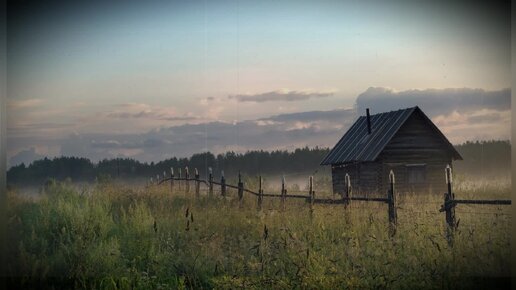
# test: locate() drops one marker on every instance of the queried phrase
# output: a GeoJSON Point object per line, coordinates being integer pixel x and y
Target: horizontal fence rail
{"type": "Point", "coordinates": [452, 203]}
{"type": "Point", "coordinates": [347, 200]}
{"type": "Point", "coordinates": [481, 201]}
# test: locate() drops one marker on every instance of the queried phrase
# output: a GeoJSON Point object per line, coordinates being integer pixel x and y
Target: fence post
{"type": "Point", "coordinates": [391, 196]}
{"type": "Point", "coordinates": [179, 181]}
{"type": "Point", "coordinates": [311, 194]}
{"type": "Point", "coordinates": [240, 188]}
{"type": "Point", "coordinates": [210, 182]}
{"type": "Point", "coordinates": [260, 193]}
{"type": "Point", "coordinates": [197, 184]}
{"type": "Point", "coordinates": [151, 181]}
{"type": "Point", "coordinates": [449, 205]}
{"type": "Point", "coordinates": [222, 184]}
{"type": "Point", "coordinates": [187, 176]}
{"type": "Point", "coordinates": [157, 179]}
{"type": "Point", "coordinates": [283, 193]}
{"type": "Point", "coordinates": [347, 190]}
{"type": "Point", "coordinates": [172, 179]}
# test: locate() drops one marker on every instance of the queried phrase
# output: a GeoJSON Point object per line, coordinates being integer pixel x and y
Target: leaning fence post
{"type": "Point", "coordinates": [347, 190]}
{"type": "Point", "coordinates": [283, 192]}
{"type": "Point", "coordinates": [172, 179]}
{"type": "Point", "coordinates": [449, 204]}
{"type": "Point", "coordinates": [391, 196]}
{"type": "Point", "coordinates": [210, 182]}
{"type": "Point", "coordinates": [240, 188]}
{"type": "Point", "coordinates": [222, 184]}
{"type": "Point", "coordinates": [260, 193]}
{"type": "Point", "coordinates": [197, 183]}
{"type": "Point", "coordinates": [187, 176]}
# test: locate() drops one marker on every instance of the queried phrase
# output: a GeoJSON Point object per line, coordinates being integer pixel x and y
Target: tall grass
{"type": "Point", "coordinates": [122, 238]}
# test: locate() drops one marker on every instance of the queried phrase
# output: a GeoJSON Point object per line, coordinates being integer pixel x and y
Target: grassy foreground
{"type": "Point", "coordinates": [121, 238]}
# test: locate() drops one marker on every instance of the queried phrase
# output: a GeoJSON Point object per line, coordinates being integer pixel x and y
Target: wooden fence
{"type": "Point", "coordinates": [448, 205]}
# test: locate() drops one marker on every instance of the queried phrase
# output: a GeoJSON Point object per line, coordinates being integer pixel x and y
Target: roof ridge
{"type": "Point", "coordinates": [357, 145]}
{"type": "Point", "coordinates": [387, 112]}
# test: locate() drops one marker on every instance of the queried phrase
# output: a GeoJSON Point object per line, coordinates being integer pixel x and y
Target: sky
{"type": "Point", "coordinates": [153, 80]}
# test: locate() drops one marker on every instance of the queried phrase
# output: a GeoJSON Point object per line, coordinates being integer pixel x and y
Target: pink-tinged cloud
{"type": "Point", "coordinates": [280, 95]}
{"type": "Point", "coordinates": [22, 104]}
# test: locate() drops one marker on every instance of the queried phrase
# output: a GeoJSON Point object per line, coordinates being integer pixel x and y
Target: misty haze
{"type": "Point", "coordinates": [258, 145]}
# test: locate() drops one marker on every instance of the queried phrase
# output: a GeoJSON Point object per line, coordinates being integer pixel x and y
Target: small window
{"type": "Point", "coordinates": [416, 173]}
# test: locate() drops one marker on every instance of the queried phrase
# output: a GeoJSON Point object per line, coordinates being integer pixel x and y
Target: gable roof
{"type": "Point", "coordinates": [358, 145]}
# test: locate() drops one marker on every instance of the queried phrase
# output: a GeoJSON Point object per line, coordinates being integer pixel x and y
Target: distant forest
{"type": "Point", "coordinates": [488, 158]}
{"type": "Point", "coordinates": [485, 158]}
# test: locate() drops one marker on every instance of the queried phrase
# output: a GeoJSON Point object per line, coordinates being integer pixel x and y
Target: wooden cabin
{"type": "Point", "coordinates": [405, 141]}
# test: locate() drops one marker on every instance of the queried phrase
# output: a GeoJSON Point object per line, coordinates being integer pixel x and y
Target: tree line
{"type": "Point", "coordinates": [254, 162]}
{"type": "Point", "coordinates": [484, 158]}
{"type": "Point", "coordinates": [480, 157]}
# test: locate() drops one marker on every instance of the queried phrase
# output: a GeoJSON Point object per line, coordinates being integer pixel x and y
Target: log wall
{"type": "Point", "coordinates": [415, 143]}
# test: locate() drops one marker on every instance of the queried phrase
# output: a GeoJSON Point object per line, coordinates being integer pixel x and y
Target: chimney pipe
{"type": "Point", "coordinates": [368, 121]}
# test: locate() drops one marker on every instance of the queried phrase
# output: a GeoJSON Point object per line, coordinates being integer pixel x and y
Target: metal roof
{"type": "Point", "coordinates": [358, 145]}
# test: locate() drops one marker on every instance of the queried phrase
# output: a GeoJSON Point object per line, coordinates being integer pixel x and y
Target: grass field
{"type": "Point", "coordinates": [113, 237]}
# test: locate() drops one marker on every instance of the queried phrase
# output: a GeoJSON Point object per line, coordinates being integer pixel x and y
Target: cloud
{"type": "Point", "coordinates": [461, 119]}
{"type": "Point", "coordinates": [41, 126]}
{"type": "Point", "coordinates": [178, 118]}
{"type": "Point", "coordinates": [34, 130]}
{"type": "Point", "coordinates": [24, 156]}
{"type": "Point", "coordinates": [149, 115]}
{"type": "Point", "coordinates": [472, 119]}
{"type": "Point", "coordinates": [153, 143]}
{"type": "Point", "coordinates": [145, 111]}
{"type": "Point", "coordinates": [483, 124]}
{"type": "Point", "coordinates": [21, 104]}
{"type": "Point", "coordinates": [286, 131]}
{"type": "Point", "coordinates": [461, 114]}
{"type": "Point", "coordinates": [133, 143]}
{"type": "Point", "coordinates": [485, 118]}
{"type": "Point", "coordinates": [129, 115]}
{"type": "Point", "coordinates": [105, 144]}
{"type": "Point", "coordinates": [434, 102]}
{"type": "Point", "coordinates": [280, 95]}
{"type": "Point", "coordinates": [311, 116]}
